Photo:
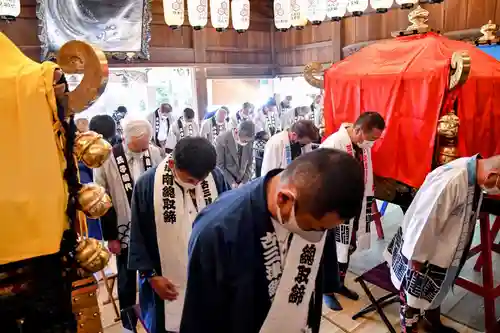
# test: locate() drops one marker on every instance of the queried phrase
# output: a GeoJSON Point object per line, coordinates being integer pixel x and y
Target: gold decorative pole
{"type": "Point", "coordinates": [313, 74]}
{"type": "Point", "coordinates": [449, 124]}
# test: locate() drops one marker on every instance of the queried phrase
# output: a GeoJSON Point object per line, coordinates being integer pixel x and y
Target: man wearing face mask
{"type": "Point", "coordinates": [432, 245]}
{"type": "Point", "coordinates": [255, 254]}
{"type": "Point", "coordinates": [286, 146]}
{"type": "Point", "coordinates": [235, 154]}
{"type": "Point", "coordinates": [165, 203]}
{"type": "Point", "coordinates": [216, 125]}
{"type": "Point", "coordinates": [357, 140]}
{"type": "Point", "coordinates": [161, 121]}
{"type": "Point", "coordinates": [117, 175]}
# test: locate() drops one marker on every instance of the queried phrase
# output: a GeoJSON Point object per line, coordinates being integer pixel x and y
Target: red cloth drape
{"type": "Point", "coordinates": [405, 80]}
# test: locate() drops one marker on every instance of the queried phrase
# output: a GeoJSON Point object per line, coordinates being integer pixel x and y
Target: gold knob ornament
{"type": "Point", "coordinates": [91, 255]}
{"type": "Point", "coordinates": [93, 200]}
{"type": "Point", "coordinates": [91, 149]}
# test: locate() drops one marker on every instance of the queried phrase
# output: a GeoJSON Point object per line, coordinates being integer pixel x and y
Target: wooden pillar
{"type": "Point", "coordinates": [337, 41]}
{"type": "Point", "coordinates": [201, 91]}
{"type": "Point", "coordinates": [200, 57]}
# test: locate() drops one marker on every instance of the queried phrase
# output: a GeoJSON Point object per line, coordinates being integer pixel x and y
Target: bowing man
{"type": "Point", "coordinates": [117, 175]}
{"type": "Point", "coordinates": [184, 127]}
{"type": "Point", "coordinates": [235, 154]}
{"type": "Point", "coordinates": [165, 203]}
{"type": "Point", "coordinates": [242, 115]}
{"type": "Point", "coordinates": [255, 254]}
{"type": "Point", "coordinates": [286, 146]}
{"type": "Point", "coordinates": [357, 140]}
{"type": "Point", "coordinates": [161, 120]}
{"type": "Point", "coordinates": [431, 247]}
{"type": "Point", "coordinates": [216, 125]}
{"type": "Point", "coordinates": [267, 119]}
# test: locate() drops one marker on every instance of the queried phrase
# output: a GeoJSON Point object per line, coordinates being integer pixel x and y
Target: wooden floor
{"type": "Point", "coordinates": [333, 322]}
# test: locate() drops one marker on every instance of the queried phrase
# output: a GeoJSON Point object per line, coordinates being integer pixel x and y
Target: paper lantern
{"type": "Point", "coordinates": [282, 17]}
{"type": "Point", "coordinates": [316, 11]}
{"type": "Point", "coordinates": [173, 11]}
{"type": "Point", "coordinates": [10, 9]}
{"type": "Point", "coordinates": [197, 13]}
{"type": "Point", "coordinates": [219, 14]}
{"type": "Point", "coordinates": [381, 6]}
{"type": "Point", "coordinates": [240, 12]}
{"type": "Point", "coordinates": [406, 4]}
{"type": "Point", "coordinates": [298, 12]}
{"type": "Point", "coordinates": [357, 7]}
{"type": "Point", "coordinates": [336, 9]}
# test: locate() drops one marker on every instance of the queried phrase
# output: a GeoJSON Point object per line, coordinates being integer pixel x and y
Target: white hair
{"type": "Point", "coordinates": [135, 127]}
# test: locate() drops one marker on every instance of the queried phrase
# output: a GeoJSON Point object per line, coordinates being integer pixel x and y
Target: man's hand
{"type": "Point", "coordinates": [234, 185]}
{"type": "Point", "coordinates": [114, 246]}
{"type": "Point", "coordinates": [164, 288]}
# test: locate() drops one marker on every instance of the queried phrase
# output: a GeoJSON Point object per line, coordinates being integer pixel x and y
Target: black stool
{"type": "Point", "coordinates": [379, 276]}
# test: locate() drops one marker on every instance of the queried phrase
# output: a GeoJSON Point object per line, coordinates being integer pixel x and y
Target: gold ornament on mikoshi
{"type": "Point", "coordinates": [91, 255]}
{"type": "Point", "coordinates": [91, 149]}
{"type": "Point", "coordinates": [93, 200]}
{"type": "Point", "coordinates": [313, 74]}
{"type": "Point", "coordinates": [77, 57]}
{"type": "Point", "coordinates": [460, 68]}
{"type": "Point", "coordinates": [447, 130]}
{"type": "Point", "coordinates": [418, 19]}
{"type": "Point", "coordinates": [489, 36]}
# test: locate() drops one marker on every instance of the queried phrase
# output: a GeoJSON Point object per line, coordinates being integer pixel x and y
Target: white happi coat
{"type": "Point", "coordinates": [175, 213]}
{"type": "Point", "coordinates": [210, 129]}
{"type": "Point", "coordinates": [341, 140]}
{"type": "Point", "coordinates": [436, 232]}
{"type": "Point", "coordinates": [265, 122]}
{"type": "Point", "coordinates": [179, 132]}
{"type": "Point", "coordinates": [278, 154]}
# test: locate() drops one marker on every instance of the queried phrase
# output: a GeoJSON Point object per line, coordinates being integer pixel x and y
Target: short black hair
{"type": "Point", "coordinates": [370, 120]}
{"type": "Point", "coordinates": [121, 109]}
{"type": "Point", "coordinates": [188, 113]}
{"type": "Point", "coordinates": [327, 180]}
{"type": "Point", "coordinates": [105, 125]}
{"type": "Point", "coordinates": [195, 155]}
{"type": "Point", "coordinates": [246, 128]}
{"type": "Point", "coordinates": [305, 129]}
{"type": "Point", "coordinates": [247, 105]}
{"type": "Point", "coordinates": [261, 135]}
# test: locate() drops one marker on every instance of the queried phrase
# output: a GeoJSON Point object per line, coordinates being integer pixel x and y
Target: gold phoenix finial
{"type": "Point", "coordinates": [489, 32]}
{"type": "Point", "coordinates": [418, 19]}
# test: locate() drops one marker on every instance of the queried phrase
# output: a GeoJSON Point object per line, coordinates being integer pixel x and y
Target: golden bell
{"type": "Point", "coordinates": [447, 154]}
{"type": "Point", "coordinates": [91, 255]}
{"type": "Point", "coordinates": [91, 149]}
{"type": "Point", "coordinates": [93, 200]}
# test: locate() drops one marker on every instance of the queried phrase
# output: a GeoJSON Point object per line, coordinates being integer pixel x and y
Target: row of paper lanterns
{"type": "Point", "coordinates": [296, 13]}
{"type": "Point", "coordinates": [220, 13]}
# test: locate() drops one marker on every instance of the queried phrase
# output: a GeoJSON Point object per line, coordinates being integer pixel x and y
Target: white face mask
{"type": "Point", "coordinates": [292, 226]}
{"type": "Point", "coordinates": [184, 185]}
{"type": "Point", "coordinates": [366, 144]}
{"type": "Point", "coordinates": [495, 190]}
